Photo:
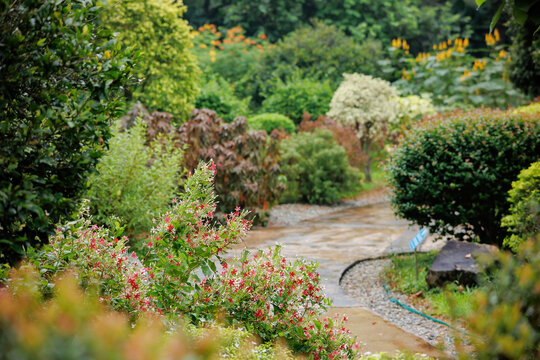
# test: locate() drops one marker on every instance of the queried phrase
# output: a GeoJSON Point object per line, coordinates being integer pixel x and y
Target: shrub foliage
{"type": "Point", "coordinates": [298, 96]}
{"type": "Point", "coordinates": [343, 135]}
{"type": "Point", "coordinates": [506, 316]}
{"type": "Point", "coordinates": [452, 173]}
{"type": "Point", "coordinates": [246, 160]}
{"type": "Point", "coordinates": [134, 181]}
{"type": "Point", "coordinates": [271, 122]}
{"type": "Point", "coordinates": [62, 81]}
{"type": "Point", "coordinates": [317, 169]}
{"type": "Point", "coordinates": [524, 218]}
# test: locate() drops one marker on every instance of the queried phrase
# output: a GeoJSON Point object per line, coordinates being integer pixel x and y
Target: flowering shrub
{"type": "Point", "coordinates": [75, 324]}
{"type": "Point", "coordinates": [177, 274]}
{"type": "Point", "coordinates": [270, 122]}
{"type": "Point", "coordinates": [452, 77]}
{"type": "Point", "coordinates": [247, 161]}
{"type": "Point", "coordinates": [100, 258]}
{"type": "Point", "coordinates": [134, 181]}
{"type": "Point", "coordinates": [185, 241]}
{"type": "Point", "coordinates": [276, 298]}
{"type": "Point", "coordinates": [523, 220]}
{"type": "Point", "coordinates": [366, 104]}
{"type": "Point", "coordinates": [452, 173]}
{"type": "Point", "coordinates": [343, 135]}
{"type": "Point", "coordinates": [317, 169]}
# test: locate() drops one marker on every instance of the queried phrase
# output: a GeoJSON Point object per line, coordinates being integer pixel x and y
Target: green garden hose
{"type": "Point", "coordinates": [406, 307]}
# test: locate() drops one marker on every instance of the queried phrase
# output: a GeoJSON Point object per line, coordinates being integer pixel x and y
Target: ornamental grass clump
{"type": "Point", "coordinates": [452, 173]}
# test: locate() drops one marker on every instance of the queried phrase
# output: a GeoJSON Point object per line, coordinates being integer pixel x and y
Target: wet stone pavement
{"type": "Point", "coordinates": [336, 240]}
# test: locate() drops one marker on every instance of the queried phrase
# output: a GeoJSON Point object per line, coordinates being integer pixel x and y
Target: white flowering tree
{"type": "Point", "coordinates": [367, 104]}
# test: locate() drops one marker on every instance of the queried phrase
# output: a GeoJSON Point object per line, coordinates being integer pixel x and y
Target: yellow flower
{"type": "Point", "coordinates": [202, 46]}
{"type": "Point", "coordinates": [496, 34]}
{"type": "Point", "coordinates": [212, 53]}
{"type": "Point", "coordinates": [434, 47]}
{"type": "Point", "coordinates": [466, 42]}
{"type": "Point", "coordinates": [107, 54]}
{"type": "Point", "coordinates": [213, 59]}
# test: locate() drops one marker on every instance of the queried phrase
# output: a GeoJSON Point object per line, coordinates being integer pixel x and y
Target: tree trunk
{"type": "Point", "coordinates": [366, 144]}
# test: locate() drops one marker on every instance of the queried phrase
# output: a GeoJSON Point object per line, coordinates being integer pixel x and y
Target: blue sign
{"type": "Point", "coordinates": [418, 239]}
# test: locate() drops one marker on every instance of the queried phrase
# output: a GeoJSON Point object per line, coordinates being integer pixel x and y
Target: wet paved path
{"type": "Point", "coordinates": [337, 240]}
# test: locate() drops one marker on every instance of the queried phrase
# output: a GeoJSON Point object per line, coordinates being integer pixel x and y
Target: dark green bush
{"type": "Point", "coordinates": [297, 96]}
{"type": "Point", "coordinates": [270, 122]}
{"type": "Point", "coordinates": [317, 169]}
{"type": "Point", "coordinates": [452, 173]}
{"type": "Point", "coordinates": [506, 317]}
{"type": "Point", "coordinates": [62, 77]}
{"type": "Point", "coordinates": [524, 218]}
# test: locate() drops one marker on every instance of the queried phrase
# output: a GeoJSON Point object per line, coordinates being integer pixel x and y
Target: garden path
{"type": "Point", "coordinates": [336, 240]}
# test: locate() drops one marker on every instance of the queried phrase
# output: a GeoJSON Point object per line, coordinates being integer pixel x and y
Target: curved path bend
{"type": "Point", "coordinates": [337, 240]}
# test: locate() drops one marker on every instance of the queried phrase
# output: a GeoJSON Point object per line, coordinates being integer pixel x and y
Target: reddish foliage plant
{"type": "Point", "coordinates": [344, 135]}
{"type": "Point", "coordinates": [247, 161]}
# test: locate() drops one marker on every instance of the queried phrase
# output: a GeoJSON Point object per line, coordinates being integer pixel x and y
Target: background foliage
{"type": "Point", "coordinates": [62, 80]}
{"type": "Point", "coordinates": [297, 96]}
{"type": "Point", "coordinates": [167, 68]}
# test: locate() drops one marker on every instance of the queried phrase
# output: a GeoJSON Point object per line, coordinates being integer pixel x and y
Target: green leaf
{"type": "Point", "coordinates": [41, 42]}
{"type": "Point", "coordinates": [496, 16]}
{"type": "Point", "coordinates": [480, 2]}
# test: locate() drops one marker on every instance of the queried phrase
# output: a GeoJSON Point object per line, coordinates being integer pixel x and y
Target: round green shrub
{"type": "Point", "coordinates": [296, 96]}
{"type": "Point", "coordinates": [316, 168]}
{"type": "Point", "coordinates": [524, 218]}
{"type": "Point", "coordinates": [452, 173]}
{"type": "Point", "coordinates": [269, 122]}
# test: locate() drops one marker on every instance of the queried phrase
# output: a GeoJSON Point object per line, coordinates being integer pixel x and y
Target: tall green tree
{"type": "Point", "coordinates": [62, 78]}
{"type": "Point", "coordinates": [168, 69]}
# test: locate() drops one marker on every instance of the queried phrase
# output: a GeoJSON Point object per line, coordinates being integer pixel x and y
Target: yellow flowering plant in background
{"type": "Point", "coordinates": [452, 76]}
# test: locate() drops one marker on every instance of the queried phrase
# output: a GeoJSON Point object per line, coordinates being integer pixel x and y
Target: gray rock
{"type": "Point", "coordinates": [457, 262]}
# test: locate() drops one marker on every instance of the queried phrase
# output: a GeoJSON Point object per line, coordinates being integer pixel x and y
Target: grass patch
{"type": "Point", "coordinates": [452, 302]}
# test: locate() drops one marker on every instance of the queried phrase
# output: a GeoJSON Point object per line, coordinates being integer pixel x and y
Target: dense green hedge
{"type": "Point", "coordinates": [452, 173]}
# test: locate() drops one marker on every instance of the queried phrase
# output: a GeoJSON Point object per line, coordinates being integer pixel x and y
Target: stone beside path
{"type": "Point", "coordinates": [336, 240]}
